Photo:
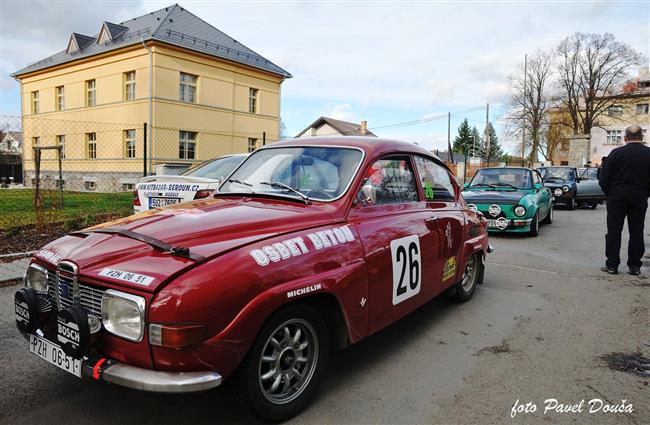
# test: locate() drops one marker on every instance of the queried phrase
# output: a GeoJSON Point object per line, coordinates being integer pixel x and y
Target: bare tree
{"type": "Point", "coordinates": [530, 102]}
{"type": "Point", "coordinates": [590, 68]}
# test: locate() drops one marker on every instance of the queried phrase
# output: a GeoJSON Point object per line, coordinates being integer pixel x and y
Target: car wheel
{"type": "Point", "coordinates": [549, 217]}
{"type": "Point", "coordinates": [285, 364]}
{"type": "Point", "coordinates": [534, 225]}
{"type": "Point", "coordinates": [471, 277]}
{"type": "Point", "coordinates": [572, 204]}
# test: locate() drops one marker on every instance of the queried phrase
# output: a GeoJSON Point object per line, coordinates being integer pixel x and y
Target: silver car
{"type": "Point", "coordinates": [588, 190]}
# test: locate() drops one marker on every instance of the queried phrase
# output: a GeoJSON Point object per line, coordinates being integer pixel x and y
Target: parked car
{"type": "Point", "coordinates": [197, 183]}
{"type": "Point", "coordinates": [562, 181]}
{"type": "Point", "coordinates": [512, 199]}
{"type": "Point", "coordinates": [309, 246]}
{"type": "Point", "coordinates": [588, 190]}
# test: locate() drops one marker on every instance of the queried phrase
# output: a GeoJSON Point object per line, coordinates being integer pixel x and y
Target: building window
{"type": "Point", "coordinates": [129, 143]}
{"type": "Point", "coordinates": [615, 111]}
{"type": "Point", "coordinates": [91, 85]}
{"type": "Point", "coordinates": [128, 187]}
{"type": "Point", "coordinates": [252, 100]}
{"type": "Point", "coordinates": [614, 137]}
{"type": "Point", "coordinates": [252, 144]}
{"type": "Point", "coordinates": [60, 141]}
{"type": "Point", "coordinates": [60, 98]}
{"type": "Point", "coordinates": [36, 142]}
{"type": "Point", "coordinates": [188, 88]}
{"type": "Point", "coordinates": [642, 108]}
{"type": "Point", "coordinates": [186, 144]}
{"type": "Point", "coordinates": [90, 185]}
{"type": "Point", "coordinates": [35, 102]}
{"type": "Point", "coordinates": [91, 145]}
{"type": "Point", "coordinates": [129, 85]}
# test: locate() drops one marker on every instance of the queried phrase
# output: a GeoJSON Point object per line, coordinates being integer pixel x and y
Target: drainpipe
{"type": "Point", "coordinates": [150, 136]}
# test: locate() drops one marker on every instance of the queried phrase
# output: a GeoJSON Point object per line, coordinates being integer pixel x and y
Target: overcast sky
{"type": "Point", "coordinates": [385, 62]}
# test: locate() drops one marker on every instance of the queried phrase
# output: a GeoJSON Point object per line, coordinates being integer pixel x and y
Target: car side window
{"type": "Point", "coordinates": [389, 181]}
{"type": "Point", "coordinates": [435, 181]}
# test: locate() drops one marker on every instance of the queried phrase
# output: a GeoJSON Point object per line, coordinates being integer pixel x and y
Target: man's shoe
{"type": "Point", "coordinates": [635, 271]}
{"type": "Point", "coordinates": [610, 270]}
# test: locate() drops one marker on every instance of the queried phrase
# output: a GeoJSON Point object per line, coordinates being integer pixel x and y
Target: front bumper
{"type": "Point", "coordinates": [513, 225]}
{"type": "Point", "coordinates": [103, 369]}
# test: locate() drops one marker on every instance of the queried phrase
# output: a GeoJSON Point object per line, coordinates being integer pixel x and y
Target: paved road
{"type": "Point", "coordinates": [537, 329]}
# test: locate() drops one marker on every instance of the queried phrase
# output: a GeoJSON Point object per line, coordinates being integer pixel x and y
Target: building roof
{"type": "Point", "coordinates": [343, 127]}
{"type": "Point", "coordinates": [172, 25]}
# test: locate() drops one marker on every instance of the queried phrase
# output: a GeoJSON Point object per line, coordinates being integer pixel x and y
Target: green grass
{"type": "Point", "coordinates": [16, 206]}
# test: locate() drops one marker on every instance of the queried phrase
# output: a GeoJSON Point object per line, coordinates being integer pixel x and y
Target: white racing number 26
{"type": "Point", "coordinates": [407, 267]}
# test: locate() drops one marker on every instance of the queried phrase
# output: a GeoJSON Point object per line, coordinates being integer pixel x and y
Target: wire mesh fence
{"type": "Point", "coordinates": [72, 173]}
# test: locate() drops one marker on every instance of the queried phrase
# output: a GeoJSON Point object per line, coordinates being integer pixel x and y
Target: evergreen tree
{"type": "Point", "coordinates": [495, 151]}
{"type": "Point", "coordinates": [477, 143]}
{"type": "Point", "coordinates": [463, 141]}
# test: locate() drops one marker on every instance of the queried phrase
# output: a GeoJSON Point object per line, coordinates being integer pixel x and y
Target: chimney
{"type": "Point", "coordinates": [363, 128]}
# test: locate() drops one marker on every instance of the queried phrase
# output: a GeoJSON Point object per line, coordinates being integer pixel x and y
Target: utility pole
{"type": "Point", "coordinates": [523, 118]}
{"type": "Point", "coordinates": [451, 154]}
{"type": "Point", "coordinates": [487, 133]}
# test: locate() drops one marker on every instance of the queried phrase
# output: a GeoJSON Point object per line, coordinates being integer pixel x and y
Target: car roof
{"type": "Point", "coordinates": [372, 146]}
{"type": "Point", "coordinates": [506, 168]}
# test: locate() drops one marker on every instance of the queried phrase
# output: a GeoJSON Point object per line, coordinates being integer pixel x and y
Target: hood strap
{"type": "Point", "coordinates": [177, 251]}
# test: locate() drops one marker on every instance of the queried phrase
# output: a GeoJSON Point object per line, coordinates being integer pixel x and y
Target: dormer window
{"type": "Point", "coordinates": [109, 32]}
{"type": "Point", "coordinates": [77, 43]}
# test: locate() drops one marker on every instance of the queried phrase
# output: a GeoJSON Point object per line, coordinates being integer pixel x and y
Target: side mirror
{"type": "Point", "coordinates": [465, 186]}
{"type": "Point", "coordinates": [578, 179]}
{"type": "Point", "coordinates": [538, 186]}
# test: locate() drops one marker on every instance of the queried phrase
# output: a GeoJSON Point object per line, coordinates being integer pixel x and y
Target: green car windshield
{"type": "Point", "coordinates": [506, 178]}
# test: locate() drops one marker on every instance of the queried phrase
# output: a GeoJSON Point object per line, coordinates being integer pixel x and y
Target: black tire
{"type": "Point", "coordinates": [250, 384]}
{"type": "Point", "coordinates": [534, 225]}
{"type": "Point", "coordinates": [549, 217]}
{"type": "Point", "coordinates": [464, 288]}
{"type": "Point", "coordinates": [572, 204]}
{"type": "Point", "coordinates": [594, 205]}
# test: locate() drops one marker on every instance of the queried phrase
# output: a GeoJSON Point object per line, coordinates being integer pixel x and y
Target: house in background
{"type": "Point", "coordinates": [11, 157]}
{"type": "Point", "coordinates": [325, 126]}
{"type": "Point", "coordinates": [200, 92]}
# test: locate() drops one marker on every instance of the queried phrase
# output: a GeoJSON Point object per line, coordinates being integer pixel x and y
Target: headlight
{"type": "Point", "coordinates": [36, 278]}
{"type": "Point", "coordinates": [520, 211]}
{"type": "Point", "coordinates": [557, 192]}
{"type": "Point", "coordinates": [472, 207]}
{"type": "Point", "coordinates": [123, 314]}
{"type": "Point", "coordinates": [565, 188]}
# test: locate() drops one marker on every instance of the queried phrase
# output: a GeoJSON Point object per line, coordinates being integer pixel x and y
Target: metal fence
{"type": "Point", "coordinates": [76, 172]}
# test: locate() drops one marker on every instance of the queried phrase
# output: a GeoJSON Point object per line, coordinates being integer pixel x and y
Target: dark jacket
{"type": "Point", "coordinates": [627, 171]}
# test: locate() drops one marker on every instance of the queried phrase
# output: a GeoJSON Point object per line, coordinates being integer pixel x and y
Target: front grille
{"type": "Point", "coordinates": [90, 297]}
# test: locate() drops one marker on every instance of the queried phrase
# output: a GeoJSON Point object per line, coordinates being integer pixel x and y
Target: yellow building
{"type": "Point", "coordinates": [195, 91]}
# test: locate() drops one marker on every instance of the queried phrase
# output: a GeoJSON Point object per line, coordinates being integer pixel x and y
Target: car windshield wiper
{"type": "Point", "coordinates": [495, 185]}
{"type": "Point", "coordinates": [289, 188]}
{"type": "Point", "coordinates": [241, 182]}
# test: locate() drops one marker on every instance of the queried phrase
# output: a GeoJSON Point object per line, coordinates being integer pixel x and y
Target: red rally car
{"type": "Point", "coordinates": [309, 246]}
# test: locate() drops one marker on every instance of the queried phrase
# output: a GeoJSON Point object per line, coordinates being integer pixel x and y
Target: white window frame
{"type": "Point", "coordinates": [129, 86]}
{"type": "Point", "coordinates": [187, 91]}
{"type": "Point", "coordinates": [91, 92]}
{"type": "Point", "coordinates": [253, 97]}
{"type": "Point", "coordinates": [252, 144]}
{"type": "Point", "coordinates": [614, 137]}
{"type": "Point", "coordinates": [129, 143]}
{"type": "Point", "coordinates": [642, 108]}
{"type": "Point", "coordinates": [36, 103]}
{"type": "Point", "coordinates": [60, 141]}
{"type": "Point", "coordinates": [615, 111]}
{"type": "Point", "coordinates": [185, 140]}
{"type": "Point", "coordinates": [91, 140]}
{"type": "Point", "coordinates": [60, 98]}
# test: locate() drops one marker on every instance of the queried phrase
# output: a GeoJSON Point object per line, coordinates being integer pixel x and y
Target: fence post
{"type": "Point", "coordinates": [264, 138]}
{"type": "Point", "coordinates": [60, 147]}
{"type": "Point", "coordinates": [144, 150]}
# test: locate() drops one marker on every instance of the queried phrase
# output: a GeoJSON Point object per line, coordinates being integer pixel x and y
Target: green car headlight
{"type": "Point", "coordinates": [520, 211]}
{"type": "Point", "coordinates": [565, 188]}
{"type": "Point", "coordinates": [36, 278]}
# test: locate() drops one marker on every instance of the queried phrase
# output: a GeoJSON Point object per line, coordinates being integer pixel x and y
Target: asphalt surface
{"type": "Point", "coordinates": [541, 327]}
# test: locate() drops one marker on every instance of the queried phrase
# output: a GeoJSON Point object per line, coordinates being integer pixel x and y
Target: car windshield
{"type": "Point", "coordinates": [319, 173]}
{"type": "Point", "coordinates": [217, 169]}
{"type": "Point", "coordinates": [557, 173]}
{"type": "Point", "coordinates": [508, 178]}
{"type": "Point", "coordinates": [588, 174]}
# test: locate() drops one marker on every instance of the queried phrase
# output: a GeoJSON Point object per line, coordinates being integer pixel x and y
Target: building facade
{"type": "Point", "coordinates": [194, 91]}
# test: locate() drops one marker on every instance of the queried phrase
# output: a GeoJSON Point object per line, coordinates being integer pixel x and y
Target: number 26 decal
{"type": "Point", "coordinates": [407, 269]}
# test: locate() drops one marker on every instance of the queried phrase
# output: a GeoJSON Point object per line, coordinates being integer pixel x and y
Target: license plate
{"type": "Point", "coordinates": [500, 224]}
{"type": "Point", "coordinates": [163, 202]}
{"type": "Point", "coordinates": [492, 224]}
{"type": "Point", "coordinates": [53, 354]}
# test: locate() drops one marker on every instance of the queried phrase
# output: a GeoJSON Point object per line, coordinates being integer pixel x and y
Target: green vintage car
{"type": "Point", "coordinates": [512, 199]}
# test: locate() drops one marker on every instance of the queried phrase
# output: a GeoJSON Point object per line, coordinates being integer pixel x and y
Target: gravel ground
{"type": "Point", "coordinates": [543, 326]}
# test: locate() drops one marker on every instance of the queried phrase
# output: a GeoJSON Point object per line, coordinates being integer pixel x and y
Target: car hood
{"type": "Point", "coordinates": [485, 196]}
{"type": "Point", "coordinates": [207, 228]}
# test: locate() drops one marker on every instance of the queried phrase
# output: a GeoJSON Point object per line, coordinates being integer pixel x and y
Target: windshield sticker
{"type": "Point", "coordinates": [136, 278]}
{"type": "Point", "coordinates": [449, 236]}
{"type": "Point", "coordinates": [48, 255]}
{"type": "Point", "coordinates": [428, 190]}
{"type": "Point", "coordinates": [450, 269]}
{"type": "Point", "coordinates": [174, 187]}
{"type": "Point", "coordinates": [294, 247]}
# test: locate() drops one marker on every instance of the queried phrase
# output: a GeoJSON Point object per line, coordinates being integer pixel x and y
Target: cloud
{"type": "Point", "coordinates": [340, 112]}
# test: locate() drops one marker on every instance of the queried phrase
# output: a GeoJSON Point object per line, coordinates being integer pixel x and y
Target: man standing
{"type": "Point", "coordinates": [625, 179]}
